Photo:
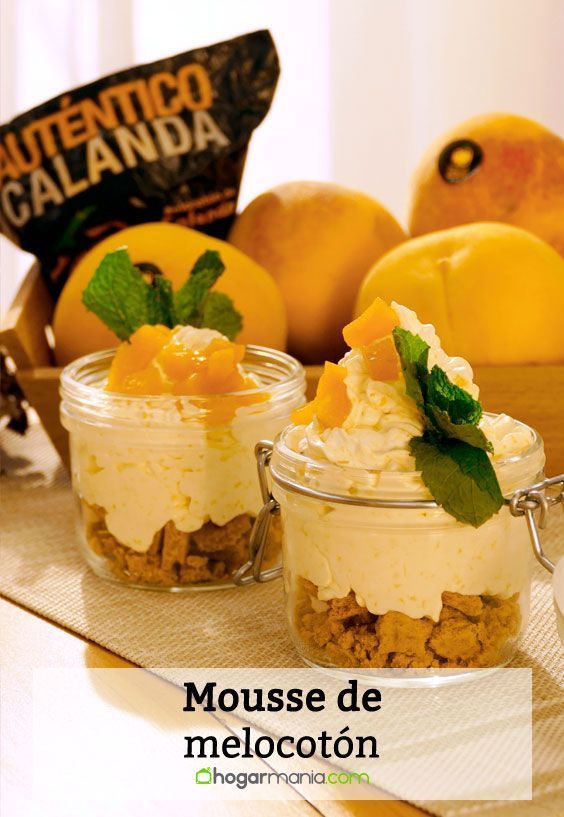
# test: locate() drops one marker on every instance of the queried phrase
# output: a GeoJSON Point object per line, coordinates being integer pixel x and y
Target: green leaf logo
{"type": "Point", "coordinates": [204, 776]}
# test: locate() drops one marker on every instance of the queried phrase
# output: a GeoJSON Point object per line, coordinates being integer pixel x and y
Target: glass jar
{"type": "Point", "coordinates": [380, 578]}
{"type": "Point", "coordinates": [165, 485]}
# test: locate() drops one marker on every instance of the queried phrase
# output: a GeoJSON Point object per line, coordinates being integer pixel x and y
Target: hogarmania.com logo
{"type": "Point", "coordinates": [212, 776]}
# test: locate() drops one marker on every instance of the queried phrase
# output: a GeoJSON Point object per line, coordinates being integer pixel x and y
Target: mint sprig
{"type": "Point", "coordinates": [117, 293]}
{"type": "Point", "coordinates": [459, 476]}
{"type": "Point", "coordinates": [190, 298]}
{"type": "Point", "coordinates": [121, 297]}
{"type": "Point", "coordinates": [465, 432]}
{"type": "Point", "coordinates": [451, 453]}
{"type": "Point", "coordinates": [459, 404]}
{"type": "Point", "coordinates": [217, 310]}
{"type": "Point", "coordinates": [160, 302]}
{"type": "Point", "coordinates": [413, 353]}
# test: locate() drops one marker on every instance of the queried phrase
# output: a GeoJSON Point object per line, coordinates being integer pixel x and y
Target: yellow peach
{"type": "Point", "coordinates": [497, 167]}
{"type": "Point", "coordinates": [317, 240]}
{"type": "Point", "coordinates": [495, 293]}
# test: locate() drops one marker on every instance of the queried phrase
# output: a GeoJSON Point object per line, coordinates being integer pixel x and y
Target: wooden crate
{"type": "Point", "coordinates": [533, 394]}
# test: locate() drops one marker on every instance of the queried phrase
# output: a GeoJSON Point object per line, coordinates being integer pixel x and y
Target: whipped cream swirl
{"type": "Point", "coordinates": [383, 419]}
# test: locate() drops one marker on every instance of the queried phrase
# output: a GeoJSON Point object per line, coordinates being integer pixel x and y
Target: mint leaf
{"type": "Point", "coordinates": [451, 454]}
{"type": "Point", "coordinates": [453, 411]}
{"type": "Point", "coordinates": [196, 305]}
{"type": "Point", "coordinates": [219, 313]}
{"type": "Point", "coordinates": [121, 297]}
{"type": "Point", "coordinates": [413, 353]}
{"type": "Point", "coordinates": [160, 302]}
{"type": "Point", "coordinates": [459, 476]}
{"type": "Point", "coordinates": [458, 403]}
{"type": "Point", "coordinates": [117, 293]}
{"type": "Point", "coordinates": [466, 432]}
{"type": "Point", "coordinates": [188, 301]}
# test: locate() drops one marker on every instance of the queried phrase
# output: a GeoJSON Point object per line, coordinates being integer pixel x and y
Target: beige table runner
{"type": "Point", "coordinates": [41, 569]}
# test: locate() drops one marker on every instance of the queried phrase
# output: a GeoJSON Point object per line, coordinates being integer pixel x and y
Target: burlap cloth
{"type": "Point", "coordinates": [42, 569]}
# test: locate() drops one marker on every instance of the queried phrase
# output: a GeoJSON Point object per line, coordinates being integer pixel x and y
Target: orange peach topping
{"type": "Point", "coordinates": [151, 362]}
{"type": "Point", "coordinates": [371, 333]}
{"type": "Point", "coordinates": [331, 405]}
{"type": "Point", "coordinates": [374, 323]}
{"type": "Point", "coordinates": [382, 359]}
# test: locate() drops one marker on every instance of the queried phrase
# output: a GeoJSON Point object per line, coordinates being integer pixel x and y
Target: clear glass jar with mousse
{"type": "Point", "coordinates": [379, 578]}
{"type": "Point", "coordinates": [166, 486]}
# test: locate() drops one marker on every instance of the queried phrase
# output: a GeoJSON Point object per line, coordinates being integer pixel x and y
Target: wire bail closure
{"type": "Point", "coordinates": [524, 502]}
{"type": "Point", "coordinates": [259, 534]}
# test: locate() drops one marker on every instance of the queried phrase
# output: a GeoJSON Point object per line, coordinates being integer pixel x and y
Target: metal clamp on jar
{"type": "Point", "coordinates": [542, 497]}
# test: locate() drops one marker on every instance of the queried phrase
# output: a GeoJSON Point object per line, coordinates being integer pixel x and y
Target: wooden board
{"type": "Point", "coordinates": [23, 328]}
{"type": "Point", "coordinates": [533, 394]}
{"type": "Point", "coordinates": [41, 388]}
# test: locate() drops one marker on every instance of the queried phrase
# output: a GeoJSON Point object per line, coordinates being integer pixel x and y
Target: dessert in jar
{"type": "Point", "coordinates": [162, 430]}
{"type": "Point", "coordinates": [400, 550]}
{"type": "Point", "coordinates": [162, 435]}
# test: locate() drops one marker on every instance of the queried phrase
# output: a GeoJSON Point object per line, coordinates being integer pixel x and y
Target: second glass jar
{"type": "Point", "coordinates": [403, 587]}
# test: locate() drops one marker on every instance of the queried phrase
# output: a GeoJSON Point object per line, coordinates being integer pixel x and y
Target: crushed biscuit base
{"type": "Point", "coordinates": [210, 554]}
{"type": "Point", "coordinates": [472, 631]}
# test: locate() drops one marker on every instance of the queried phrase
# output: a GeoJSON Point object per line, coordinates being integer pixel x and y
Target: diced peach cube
{"type": "Point", "coordinates": [177, 362]}
{"type": "Point", "coordinates": [147, 341]}
{"type": "Point", "coordinates": [135, 354]}
{"type": "Point", "coordinates": [150, 363]}
{"type": "Point", "coordinates": [303, 415]}
{"type": "Point", "coordinates": [220, 372]}
{"type": "Point", "coordinates": [374, 323]}
{"type": "Point", "coordinates": [382, 359]}
{"type": "Point", "coordinates": [332, 404]}
{"type": "Point", "coordinates": [146, 381]}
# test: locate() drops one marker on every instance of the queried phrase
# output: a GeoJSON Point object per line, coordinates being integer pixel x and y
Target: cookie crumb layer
{"type": "Point", "coordinates": [207, 556]}
{"type": "Point", "coordinates": [472, 631]}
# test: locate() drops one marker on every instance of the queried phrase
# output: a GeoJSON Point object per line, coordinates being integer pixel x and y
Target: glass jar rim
{"type": "Point", "coordinates": [83, 396]}
{"type": "Point", "coordinates": [292, 464]}
{"type": "Point", "coordinates": [73, 387]}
